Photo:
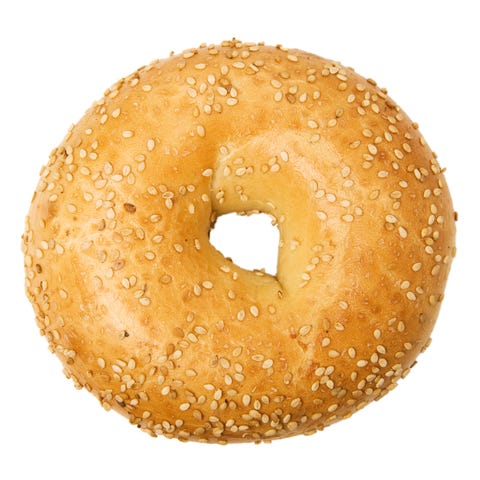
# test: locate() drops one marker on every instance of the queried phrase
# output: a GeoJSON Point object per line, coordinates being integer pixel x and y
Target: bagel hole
{"type": "Point", "coordinates": [250, 241]}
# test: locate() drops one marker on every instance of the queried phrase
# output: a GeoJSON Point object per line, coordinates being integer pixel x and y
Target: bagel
{"type": "Point", "coordinates": [155, 322]}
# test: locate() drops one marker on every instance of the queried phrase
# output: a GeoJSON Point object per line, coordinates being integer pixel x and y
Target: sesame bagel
{"type": "Point", "coordinates": [155, 322]}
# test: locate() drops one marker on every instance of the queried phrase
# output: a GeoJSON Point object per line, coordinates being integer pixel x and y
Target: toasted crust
{"type": "Point", "coordinates": [147, 315]}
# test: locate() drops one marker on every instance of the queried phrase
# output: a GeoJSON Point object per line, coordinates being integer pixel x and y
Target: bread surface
{"type": "Point", "coordinates": [149, 317]}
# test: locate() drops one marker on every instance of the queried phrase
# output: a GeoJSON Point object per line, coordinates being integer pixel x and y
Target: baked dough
{"type": "Point", "coordinates": [149, 317]}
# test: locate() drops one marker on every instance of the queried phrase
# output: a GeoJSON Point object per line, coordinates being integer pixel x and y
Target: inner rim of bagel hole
{"type": "Point", "coordinates": [250, 241]}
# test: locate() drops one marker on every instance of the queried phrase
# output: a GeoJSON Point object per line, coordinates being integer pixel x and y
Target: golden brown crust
{"type": "Point", "coordinates": [149, 317]}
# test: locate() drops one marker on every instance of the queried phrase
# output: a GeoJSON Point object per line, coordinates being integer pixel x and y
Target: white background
{"type": "Point", "coordinates": [57, 57]}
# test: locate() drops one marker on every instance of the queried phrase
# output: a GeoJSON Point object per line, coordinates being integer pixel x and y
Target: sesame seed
{"type": "Point", "coordinates": [381, 349]}
{"type": "Point", "coordinates": [332, 408]}
{"type": "Point", "coordinates": [127, 134]}
{"type": "Point", "coordinates": [292, 58]}
{"type": "Point", "coordinates": [165, 390]}
{"type": "Point", "coordinates": [224, 363]}
{"type": "Point", "coordinates": [305, 330]}
{"type": "Point", "coordinates": [258, 357]}
{"type": "Point", "coordinates": [129, 207]}
{"type": "Point", "coordinates": [208, 172]}
{"type": "Point", "coordinates": [312, 124]}
{"type": "Point", "coordinates": [331, 197]}
{"type": "Point", "coordinates": [267, 363]}
{"type": "Point", "coordinates": [296, 402]}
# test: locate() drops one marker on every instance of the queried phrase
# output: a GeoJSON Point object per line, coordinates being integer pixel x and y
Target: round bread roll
{"type": "Point", "coordinates": [155, 322]}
